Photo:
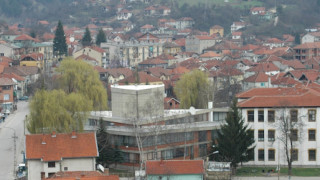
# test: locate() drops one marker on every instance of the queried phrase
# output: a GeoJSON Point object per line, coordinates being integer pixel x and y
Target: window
{"type": "Point", "coordinates": [261, 116]}
{"type": "Point", "coordinates": [270, 116]}
{"type": "Point", "coordinates": [294, 115]}
{"type": "Point", "coordinates": [294, 154]}
{"type": "Point", "coordinates": [262, 84]}
{"type": "Point", "coordinates": [312, 134]}
{"type": "Point", "coordinates": [271, 154]}
{"type": "Point", "coordinates": [6, 97]}
{"type": "Point", "coordinates": [261, 154]}
{"type": "Point", "coordinates": [250, 115]}
{"type": "Point", "coordinates": [294, 135]}
{"type": "Point", "coordinates": [1, 54]}
{"type": "Point", "coordinates": [312, 115]}
{"type": "Point", "coordinates": [271, 135]}
{"type": "Point", "coordinates": [251, 133]}
{"type": "Point", "coordinates": [312, 154]}
{"type": "Point", "coordinates": [261, 135]}
{"type": "Point", "coordinates": [51, 174]}
{"type": "Point", "coordinates": [65, 168]}
{"type": "Point", "coordinates": [51, 164]}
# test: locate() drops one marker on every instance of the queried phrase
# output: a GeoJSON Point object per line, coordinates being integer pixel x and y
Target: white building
{"type": "Point", "coordinates": [311, 37]}
{"type": "Point", "coordinates": [263, 109]}
{"type": "Point", "coordinates": [47, 154]}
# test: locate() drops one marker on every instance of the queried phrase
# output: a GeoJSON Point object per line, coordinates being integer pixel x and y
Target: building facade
{"type": "Point", "coordinates": [274, 114]}
{"type": "Point", "coordinates": [138, 113]}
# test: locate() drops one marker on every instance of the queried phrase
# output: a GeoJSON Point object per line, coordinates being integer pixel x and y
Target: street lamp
{"type": "Point", "coordinates": [14, 149]}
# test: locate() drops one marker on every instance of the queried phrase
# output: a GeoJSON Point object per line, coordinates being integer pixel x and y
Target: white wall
{"type": "Point", "coordinates": [79, 164]}
{"type": "Point", "coordinates": [303, 144]}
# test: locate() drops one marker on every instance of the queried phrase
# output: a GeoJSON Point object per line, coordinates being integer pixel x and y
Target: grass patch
{"type": "Point", "coordinates": [262, 171]}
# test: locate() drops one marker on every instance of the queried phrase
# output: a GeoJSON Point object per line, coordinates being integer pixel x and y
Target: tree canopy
{"type": "Point", "coordinates": [59, 41]}
{"type": "Point", "coordinates": [193, 89]}
{"type": "Point", "coordinates": [66, 108]}
{"type": "Point", "coordinates": [80, 77]}
{"type": "Point", "coordinates": [101, 37]}
{"type": "Point", "coordinates": [234, 141]}
{"type": "Point", "coordinates": [86, 39]}
{"type": "Point", "coordinates": [57, 111]}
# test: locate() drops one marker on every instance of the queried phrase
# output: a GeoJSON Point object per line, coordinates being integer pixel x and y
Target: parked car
{"type": "Point", "coordinates": [24, 98]}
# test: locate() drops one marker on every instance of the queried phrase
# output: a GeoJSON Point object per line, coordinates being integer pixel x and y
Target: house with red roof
{"type": "Point", "coordinates": [175, 169]}
{"type": "Point", "coordinates": [257, 10]}
{"type": "Point", "coordinates": [92, 54]}
{"type": "Point", "coordinates": [47, 154]}
{"type": "Point", "coordinates": [7, 96]}
{"type": "Point", "coordinates": [154, 62]}
{"type": "Point", "coordinates": [171, 103]}
{"type": "Point", "coordinates": [124, 14]}
{"type": "Point", "coordinates": [265, 109]}
{"type": "Point", "coordinates": [82, 175]}
{"type": "Point", "coordinates": [197, 43]}
{"type": "Point", "coordinates": [307, 50]}
{"type": "Point", "coordinates": [210, 55]}
{"type": "Point", "coordinates": [258, 80]}
{"type": "Point", "coordinates": [273, 42]}
{"type": "Point", "coordinates": [141, 78]}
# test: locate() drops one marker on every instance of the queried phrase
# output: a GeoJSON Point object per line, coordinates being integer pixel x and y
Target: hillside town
{"type": "Point", "coordinates": [170, 94]}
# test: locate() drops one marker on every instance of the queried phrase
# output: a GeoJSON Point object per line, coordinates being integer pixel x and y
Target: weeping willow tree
{"type": "Point", "coordinates": [57, 111]}
{"type": "Point", "coordinates": [193, 89]}
{"type": "Point", "coordinates": [65, 109]}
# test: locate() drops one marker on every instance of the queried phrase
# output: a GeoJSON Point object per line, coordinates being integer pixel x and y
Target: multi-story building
{"type": "Point", "coordinates": [138, 121]}
{"type": "Point", "coordinates": [198, 43]}
{"type": "Point", "coordinates": [274, 114]}
{"type": "Point", "coordinates": [93, 55]}
{"type": "Point", "coordinates": [131, 53]}
{"type": "Point", "coordinates": [307, 50]}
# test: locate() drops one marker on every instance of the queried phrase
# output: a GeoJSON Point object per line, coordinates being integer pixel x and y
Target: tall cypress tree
{"type": "Point", "coordinates": [59, 41]}
{"type": "Point", "coordinates": [234, 141]}
{"type": "Point", "coordinates": [101, 37]}
{"type": "Point", "coordinates": [86, 39]}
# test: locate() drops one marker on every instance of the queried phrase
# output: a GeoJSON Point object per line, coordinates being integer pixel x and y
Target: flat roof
{"type": "Point", "coordinates": [136, 87]}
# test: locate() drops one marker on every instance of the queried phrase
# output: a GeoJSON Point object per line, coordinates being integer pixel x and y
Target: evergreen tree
{"type": "Point", "coordinates": [234, 141]}
{"type": "Point", "coordinates": [101, 37]}
{"type": "Point", "coordinates": [117, 156]}
{"type": "Point", "coordinates": [86, 39]}
{"type": "Point", "coordinates": [106, 152]}
{"type": "Point", "coordinates": [59, 41]}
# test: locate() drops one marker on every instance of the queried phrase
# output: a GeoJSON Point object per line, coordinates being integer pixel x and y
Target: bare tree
{"type": "Point", "coordinates": [290, 127]}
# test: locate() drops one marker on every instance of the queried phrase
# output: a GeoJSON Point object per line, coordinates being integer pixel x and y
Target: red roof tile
{"type": "Point", "coordinates": [165, 167]}
{"type": "Point", "coordinates": [259, 77]}
{"type": "Point", "coordinates": [24, 37]}
{"type": "Point", "coordinates": [209, 54]}
{"type": "Point", "coordinates": [50, 148]}
{"type": "Point", "coordinates": [153, 61]}
{"type": "Point", "coordinates": [272, 92]}
{"type": "Point", "coordinates": [143, 78]}
{"type": "Point", "coordinates": [82, 175]}
{"type": "Point", "coordinates": [305, 100]}
{"type": "Point", "coordinates": [309, 45]}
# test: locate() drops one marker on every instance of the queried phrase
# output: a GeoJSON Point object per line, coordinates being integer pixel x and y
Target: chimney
{"type": "Point", "coordinates": [73, 135]}
{"type": "Point", "coordinates": [43, 139]}
{"type": "Point", "coordinates": [53, 134]}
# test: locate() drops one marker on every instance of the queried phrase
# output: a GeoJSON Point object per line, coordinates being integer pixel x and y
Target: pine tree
{"type": "Point", "coordinates": [101, 37]}
{"type": "Point", "coordinates": [59, 41]}
{"type": "Point", "coordinates": [86, 39]}
{"type": "Point", "coordinates": [106, 152]}
{"type": "Point", "coordinates": [234, 141]}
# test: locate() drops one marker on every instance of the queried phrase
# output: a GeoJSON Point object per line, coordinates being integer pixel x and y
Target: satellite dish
{"type": "Point", "coordinates": [100, 167]}
{"type": "Point", "coordinates": [71, 39]}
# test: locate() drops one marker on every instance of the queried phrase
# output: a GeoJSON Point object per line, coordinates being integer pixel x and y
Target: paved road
{"type": "Point", "coordinates": [14, 123]}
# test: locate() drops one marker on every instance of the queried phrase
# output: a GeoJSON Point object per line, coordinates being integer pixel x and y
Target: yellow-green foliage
{"type": "Point", "coordinates": [193, 89]}
{"type": "Point", "coordinates": [80, 77]}
{"type": "Point", "coordinates": [57, 111]}
{"type": "Point", "coordinates": [67, 108]}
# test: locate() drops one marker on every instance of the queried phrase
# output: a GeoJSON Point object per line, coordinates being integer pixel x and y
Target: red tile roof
{"type": "Point", "coordinates": [153, 61]}
{"type": "Point", "coordinates": [264, 67]}
{"type": "Point", "coordinates": [82, 175]}
{"type": "Point", "coordinates": [209, 54]}
{"type": "Point", "coordinates": [216, 27]}
{"type": "Point", "coordinates": [143, 78]}
{"type": "Point", "coordinates": [165, 167]}
{"type": "Point", "coordinates": [24, 37]}
{"type": "Point", "coordinates": [147, 26]}
{"type": "Point", "coordinates": [159, 71]}
{"type": "Point", "coordinates": [6, 81]}
{"type": "Point", "coordinates": [86, 57]}
{"type": "Point", "coordinates": [180, 70]}
{"type": "Point", "coordinates": [272, 92]}
{"type": "Point", "coordinates": [34, 56]}
{"type": "Point", "coordinates": [204, 37]}
{"type": "Point", "coordinates": [100, 69]}
{"type": "Point", "coordinates": [305, 100]}
{"type": "Point", "coordinates": [309, 45]}
{"type": "Point", "coordinates": [116, 72]}
{"type": "Point", "coordinates": [69, 145]}
{"type": "Point", "coordinates": [259, 77]}
{"type": "Point", "coordinates": [12, 75]}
